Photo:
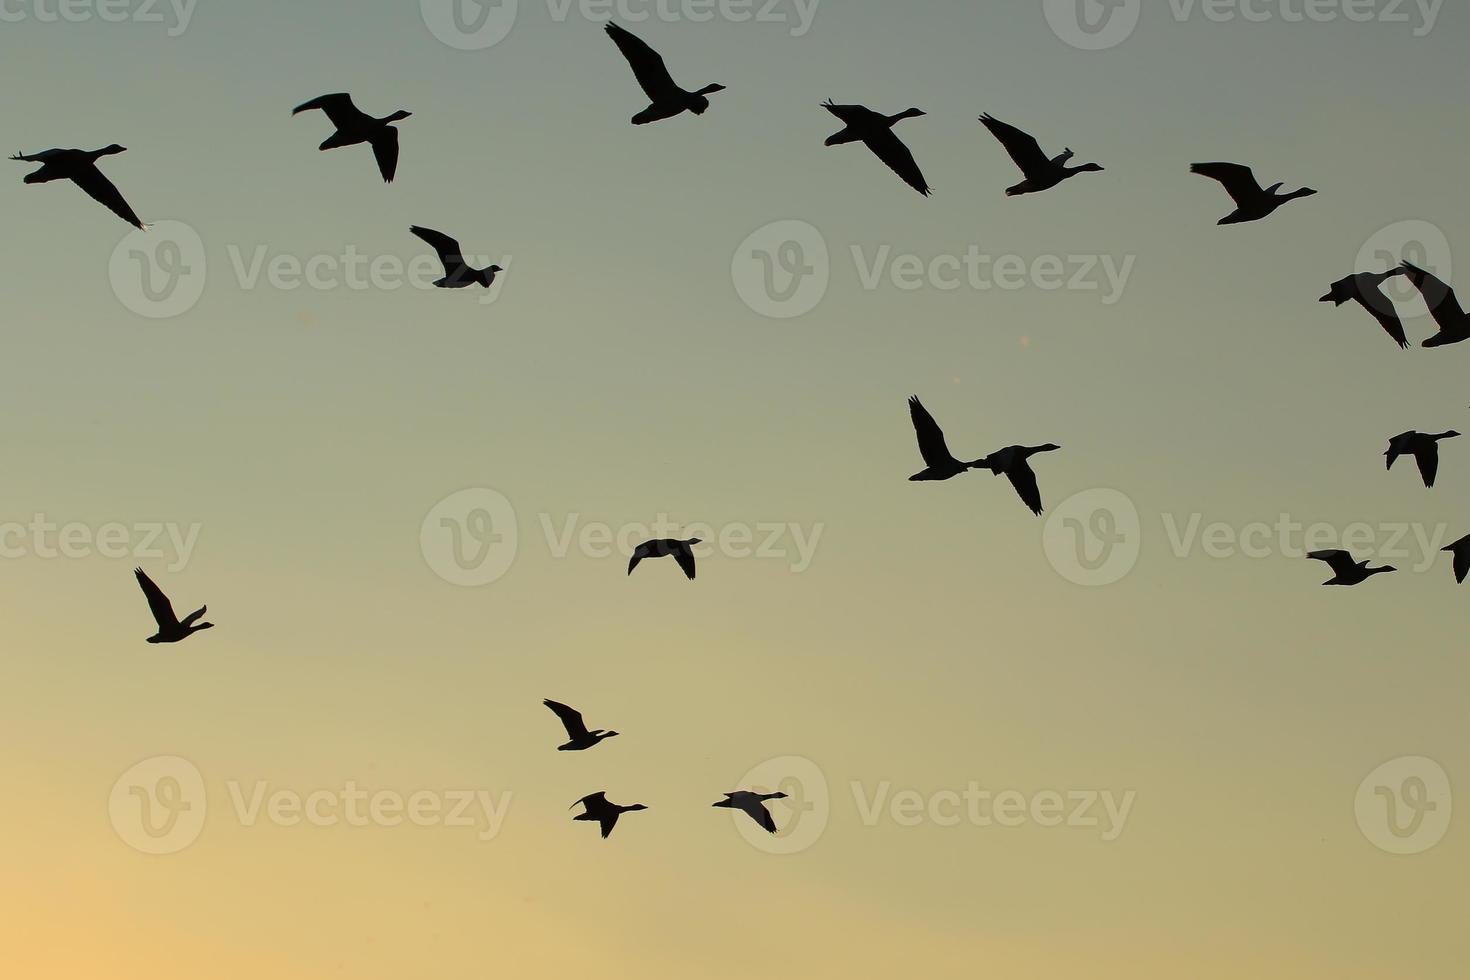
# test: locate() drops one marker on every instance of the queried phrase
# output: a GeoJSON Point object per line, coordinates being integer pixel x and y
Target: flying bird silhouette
{"type": "Point", "coordinates": [680, 550]}
{"type": "Point", "coordinates": [80, 167]}
{"type": "Point", "coordinates": [170, 629]}
{"type": "Point", "coordinates": [875, 131]}
{"type": "Point", "coordinates": [579, 738]}
{"type": "Point", "coordinates": [1454, 325]}
{"type": "Point", "coordinates": [1461, 550]}
{"type": "Point", "coordinates": [1252, 203]}
{"type": "Point", "coordinates": [1041, 171]}
{"type": "Point", "coordinates": [1423, 447]}
{"type": "Point", "coordinates": [939, 462]}
{"type": "Point", "coordinates": [604, 813]}
{"type": "Point", "coordinates": [666, 99]}
{"type": "Point", "coordinates": [355, 126]}
{"type": "Point", "coordinates": [457, 272]}
{"type": "Point", "coordinates": [1345, 570]}
{"type": "Point", "coordinates": [1012, 461]}
{"type": "Point", "coordinates": [753, 804]}
{"type": "Point", "coordinates": [1365, 289]}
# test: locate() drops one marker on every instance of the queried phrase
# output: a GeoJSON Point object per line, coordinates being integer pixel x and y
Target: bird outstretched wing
{"type": "Point", "coordinates": [932, 446]}
{"type": "Point", "coordinates": [1238, 180]}
{"type": "Point", "coordinates": [1022, 146]}
{"type": "Point", "coordinates": [571, 718]}
{"type": "Point", "coordinates": [647, 64]}
{"type": "Point", "coordinates": [163, 610]}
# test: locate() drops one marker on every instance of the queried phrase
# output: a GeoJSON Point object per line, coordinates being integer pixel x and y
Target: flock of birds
{"type": "Point", "coordinates": [875, 130]}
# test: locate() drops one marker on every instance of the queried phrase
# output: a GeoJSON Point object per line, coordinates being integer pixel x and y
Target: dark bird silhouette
{"type": "Point", "coordinates": [939, 462]}
{"type": "Point", "coordinates": [753, 804]}
{"type": "Point", "coordinates": [604, 813]}
{"type": "Point", "coordinates": [80, 167]}
{"type": "Point", "coordinates": [1345, 570]}
{"type": "Point", "coordinates": [579, 737]}
{"type": "Point", "coordinates": [1252, 203]}
{"type": "Point", "coordinates": [457, 272]}
{"type": "Point", "coordinates": [1365, 289]}
{"type": "Point", "coordinates": [1012, 461]}
{"type": "Point", "coordinates": [681, 551]}
{"type": "Point", "coordinates": [875, 131]}
{"type": "Point", "coordinates": [665, 97]}
{"type": "Point", "coordinates": [170, 630]}
{"type": "Point", "coordinates": [1041, 171]}
{"type": "Point", "coordinates": [1454, 325]}
{"type": "Point", "coordinates": [1423, 447]}
{"type": "Point", "coordinates": [1461, 550]}
{"type": "Point", "coordinates": [355, 126]}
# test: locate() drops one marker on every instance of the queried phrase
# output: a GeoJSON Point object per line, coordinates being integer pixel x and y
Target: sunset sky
{"type": "Point", "coordinates": [289, 452]}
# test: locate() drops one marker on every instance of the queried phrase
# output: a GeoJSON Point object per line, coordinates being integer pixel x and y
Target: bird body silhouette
{"type": "Point", "coordinates": [1041, 171]}
{"type": "Point", "coordinates": [602, 812]}
{"type": "Point", "coordinates": [170, 629]}
{"type": "Point", "coordinates": [753, 804]}
{"type": "Point", "coordinates": [1461, 550]}
{"type": "Point", "coordinates": [1252, 202]}
{"type": "Point", "coordinates": [875, 131]}
{"type": "Point", "coordinates": [1345, 570]}
{"type": "Point", "coordinates": [1366, 289]}
{"type": "Point", "coordinates": [666, 99]}
{"type": "Point", "coordinates": [1424, 447]}
{"type": "Point", "coordinates": [680, 550]}
{"type": "Point", "coordinates": [355, 126]}
{"type": "Point", "coordinates": [578, 736]}
{"type": "Point", "coordinates": [80, 167]}
{"type": "Point", "coordinates": [457, 272]}
{"type": "Point", "coordinates": [1454, 325]}
{"type": "Point", "coordinates": [1012, 462]}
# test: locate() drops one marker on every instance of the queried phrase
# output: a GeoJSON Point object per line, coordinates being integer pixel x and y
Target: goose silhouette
{"type": "Point", "coordinates": [80, 167]}
{"type": "Point", "coordinates": [355, 126]}
{"type": "Point", "coordinates": [1252, 202]}
{"type": "Point", "coordinates": [875, 131]}
{"type": "Point", "coordinates": [1041, 171]}
{"type": "Point", "coordinates": [666, 99]}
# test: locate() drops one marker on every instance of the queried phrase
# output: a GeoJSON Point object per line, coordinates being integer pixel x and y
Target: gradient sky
{"type": "Point", "coordinates": [619, 376]}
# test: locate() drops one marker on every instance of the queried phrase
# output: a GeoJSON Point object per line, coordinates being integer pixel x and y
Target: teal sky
{"type": "Point", "coordinates": [927, 642]}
